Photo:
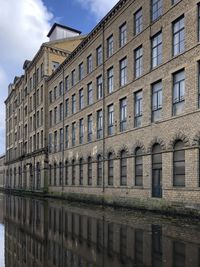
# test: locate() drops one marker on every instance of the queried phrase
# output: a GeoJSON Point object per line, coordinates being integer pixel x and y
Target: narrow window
{"type": "Point", "coordinates": [110, 169]}
{"type": "Point", "coordinates": [99, 87]}
{"type": "Point", "coordinates": [123, 71]}
{"type": "Point", "coordinates": [81, 99]}
{"type": "Point", "coordinates": [138, 63]}
{"type": "Point", "coordinates": [123, 168]}
{"type": "Point", "coordinates": [123, 115]}
{"type": "Point", "coordinates": [178, 36]}
{"type": "Point", "coordinates": [90, 94]}
{"type": "Point", "coordinates": [156, 53]}
{"type": "Point", "coordinates": [138, 24]}
{"type": "Point", "coordinates": [156, 101]}
{"type": "Point", "coordinates": [123, 35]}
{"type": "Point", "coordinates": [90, 128]}
{"type": "Point", "coordinates": [81, 131]}
{"type": "Point", "coordinates": [179, 164]}
{"type": "Point", "coordinates": [138, 167]}
{"type": "Point", "coordinates": [99, 170]}
{"type": "Point", "coordinates": [110, 76]}
{"type": "Point", "coordinates": [89, 171]}
{"type": "Point", "coordinates": [99, 124]}
{"type": "Point", "coordinates": [99, 55]}
{"type": "Point", "coordinates": [110, 46]}
{"type": "Point", "coordinates": [138, 109]}
{"type": "Point", "coordinates": [81, 171]}
{"type": "Point", "coordinates": [156, 9]}
{"type": "Point", "coordinates": [178, 92]}
{"type": "Point", "coordinates": [111, 119]}
{"type": "Point", "coordinates": [73, 133]}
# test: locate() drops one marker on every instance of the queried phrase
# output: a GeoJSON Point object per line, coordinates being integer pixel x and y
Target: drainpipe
{"type": "Point", "coordinates": [63, 78]}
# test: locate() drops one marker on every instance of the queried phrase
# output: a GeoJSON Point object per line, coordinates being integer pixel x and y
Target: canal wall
{"type": "Point", "coordinates": [161, 206]}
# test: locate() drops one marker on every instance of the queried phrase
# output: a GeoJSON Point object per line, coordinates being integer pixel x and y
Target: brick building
{"type": "Point", "coordinates": [124, 126]}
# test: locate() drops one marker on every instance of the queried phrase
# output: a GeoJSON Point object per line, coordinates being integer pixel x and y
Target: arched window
{"type": "Point", "coordinates": [55, 173]}
{"type": "Point", "coordinates": [73, 172]}
{"type": "Point", "coordinates": [15, 177]}
{"type": "Point", "coordinates": [66, 173]}
{"type": "Point", "coordinates": [138, 167]}
{"type": "Point", "coordinates": [10, 183]}
{"type": "Point", "coordinates": [99, 170]}
{"type": "Point", "coordinates": [50, 174]}
{"type": "Point", "coordinates": [25, 176]}
{"type": "Point", "coordinates": [60, 173]}
{"type": "Point", "coordinates": [179, 164]}
{"type": "Point", "coordinates": [20, 176]}
{"type": "Point", "coordinates": [81, 171]}
{"type": "Point", "coordinates": [110, 168]}
{"type": "Point", "coordinates": [156, 171]}
{"type": "Point", "coordinates": [38, 175]}
{"type": "Point", "coordinates": [89, 171]}
{"type": "Point", "coordinates": [123, 168]}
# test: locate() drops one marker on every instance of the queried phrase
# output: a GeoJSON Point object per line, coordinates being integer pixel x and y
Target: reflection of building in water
{"type": "Point", "coordinates": [47, 234]}
{"type": "Point", "coordinates": [2, 170]}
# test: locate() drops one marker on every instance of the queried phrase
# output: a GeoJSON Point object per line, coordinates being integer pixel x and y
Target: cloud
{"type": "Point", "coordinates": [98, 7]}
{"type": "Point", "coordinates": [24, 25]}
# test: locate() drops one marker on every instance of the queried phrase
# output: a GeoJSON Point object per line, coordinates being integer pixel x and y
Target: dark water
{"type": "Point", "coordinates": [53, 233]}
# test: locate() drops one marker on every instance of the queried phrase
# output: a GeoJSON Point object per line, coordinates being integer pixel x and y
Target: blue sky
{"type": "Point", "coordinates": [24, 25]}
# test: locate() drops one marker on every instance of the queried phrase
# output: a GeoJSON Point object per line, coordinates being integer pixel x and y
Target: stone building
{"type": "Point", "coordinates": [125, 125]}
{"type": "Point", "coordinates": [26, 112]}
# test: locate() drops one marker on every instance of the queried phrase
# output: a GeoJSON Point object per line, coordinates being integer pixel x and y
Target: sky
{"type": "Point", "coordinates": [24, 25]}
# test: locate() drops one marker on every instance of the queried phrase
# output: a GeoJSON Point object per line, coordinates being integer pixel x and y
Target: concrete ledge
{"type": "Point", "coordinates": [153, 205]}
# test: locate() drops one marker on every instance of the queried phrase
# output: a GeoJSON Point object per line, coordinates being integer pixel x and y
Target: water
{"type": "Point", "coordinates": [47, 233]}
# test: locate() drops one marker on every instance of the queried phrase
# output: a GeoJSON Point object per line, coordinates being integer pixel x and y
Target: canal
{"type": "Point", "coordinates": [52, 233]}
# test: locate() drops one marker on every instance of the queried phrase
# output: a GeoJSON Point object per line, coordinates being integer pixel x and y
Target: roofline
{"type": "Point", "coordinates": [96, 29]}
{"type": "Point", "coordinates": [62, 26]}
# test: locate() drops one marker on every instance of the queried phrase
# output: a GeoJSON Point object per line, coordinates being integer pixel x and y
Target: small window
{"type": "Point", "coordinates": [123, 35]}
{"type": "Point", "coordinates": [178, 36]}
{"type": "Point", "coordinates": [178, 92]}
{"type": "Point", "coordinates": [123, 114]}
{"type": "Point", "coordinates": [123, 71]}
{"type": "Point", "coordinates": [138, 109]}
{"type": "Point", "coordinates": [138, 24]}
{"type": "Point", "coordinates": [156, 9]}
{"type": "Point", "coordinates": [123, 168]}
{"type": "Point", "coordinates": [138, 62]}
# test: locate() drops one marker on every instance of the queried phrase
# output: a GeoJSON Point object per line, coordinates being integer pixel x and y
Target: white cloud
{"type": "Point", "coordinates": [98, 7]}
{"type": "Point", "coordinates": [24, 25]}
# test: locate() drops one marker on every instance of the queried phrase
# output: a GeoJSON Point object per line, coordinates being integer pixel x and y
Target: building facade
{"type": "Point", "coordinates": [2, 170]}
{"type": "Point", "coordinates": [26, 114]}
{"type": "Point", "coordinates": [126, 124]}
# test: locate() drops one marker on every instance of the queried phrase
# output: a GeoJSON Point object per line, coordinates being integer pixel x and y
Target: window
{"type": "Point", "coordinates": [61, 111]}
{"type": "Point", "coordinates": [178, 36]}
{"type": "Point", "coordinates": [178, 92]}
{"type": "Point", "coordinates": [73, 133]}
{"type": "Point", "coordinates": [123, 35]}
{"type": "Point", "coordinates": [55, 115]}
{"type": "Point", "coordinates": [81, 131]}
{"type": "Point", "coordinates": [123, 168]}
{"type": "Point", "coordinates": [73, 103]}
{"type": "Point", "coordinates": [156, 101]}
{"type": "Point", "coordinates": [66, 136]}
{"type": "Point", "coordinates": [99, 124]}
{"type": "Point", "coordinates": [81, 171]}
{"type": "Point", "coordinates": [138, 25]}
{"type": "Point", "coordinates": [156, 54]}
{"type": "Point", "coordinates": [55, 92]}
{"type": "Point", "coordinates": [138, 109]}
{"type": "Point", "coordinates": [123, 114]}
{"type": "Point", "coordinates": [67, 83]}
{"type": "Point", "coordinates": [61, 139]}
{"type": "Point", "coordinates": [61, 88]}
{"type": "Point", "coordinates": [89, 64]}
{"type": "Point", "coordinates": [80, 71]}
{"type": "Point", "coordinates": [89, 171]}
{"type": "Point", "coordinates": [138, 167]}
{"type": "Point", "coordinates": [138, 62]}
{"type": "Point", "coordinates": [123, 72]}
{"type": "Point", "coordinates": [55, 141]}
{"type": "Point", "coordinates": [66, 173]}
{"type": "Point", "coordinates": [99, 55]}
{"type": "Point", "coordinates": [99, 87]}
{"type": "Point", "coordinates": [73, 77]}
{"type": "Point", "coordinates": [67, 107]}
{"type": "Point", "coordinates": [90, 94]}
{"type": "Point", "coordinates": [60, 173]}
{"type": "Point", "coordinates": [179, 164]}
{"type": "Point", "coordinates": [110, 75]}
{"type": "Point", "coordinates": [110, 46]}
{"type": "Point", "coordinates": [99, 170]}
{"type": "Point", "coordinates": [55, 65]}
{"type": "Point", "coordinates": [73, 172]}
{"type": "Point", "coordinates": [90, 128]}
{"type": "Point", "coordinates": [50, 98]}
{"type": "Point", "coordinates": [81, 99]}
{"type": "Point", "coordinates": [156, 9]}
{"type": "Point", "coordinates": [110, 169]}
{"type": "Point", "coordinates": [111, 119]}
